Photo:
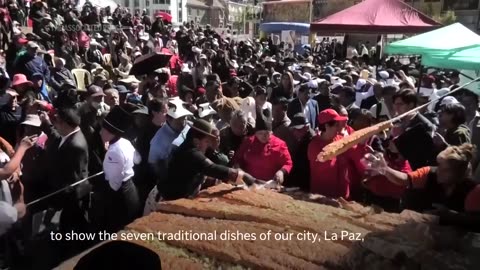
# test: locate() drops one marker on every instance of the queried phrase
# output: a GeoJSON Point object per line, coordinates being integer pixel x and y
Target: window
{"type": "Point", "coordinates": [198, 12]}
{"type": "Point", "coordinates": [189, 11]}
{"type": "Point", "coordinates": [180, 16]}
{"type": "Point", "coordinates": [167, 2]}
{"type": "Point", "coordinates": [127, 3]}
{"type": "Point", "coordinates": [136, 3]}
{"type": "Point", "coordinates": [147, 3]}
{"type": "Point", "coordinates": [460, 4]}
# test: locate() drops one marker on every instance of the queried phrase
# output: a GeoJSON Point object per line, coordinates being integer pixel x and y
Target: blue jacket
{"type": "Point", "coordinates": [28, 65]}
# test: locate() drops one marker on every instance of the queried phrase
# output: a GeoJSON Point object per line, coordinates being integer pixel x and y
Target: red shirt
{"type": "Point", "coordinates": [333, 178]}
{"type": "Point", "coordinates": [262, 161]}
{"type": "Point", "coordinates": [379, 184]}
{"type": "Point", "coordinates": [172, 85]}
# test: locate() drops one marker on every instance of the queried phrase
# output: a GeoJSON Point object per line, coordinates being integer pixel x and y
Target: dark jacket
{"type": "Point", "coordinates": [324, 102]}
{"type": "Point", "coordinates": [416, 143]}
{"type": "Point", "coordinates": [68, 163]}
{"type": "Point", "coordinates": [28, 65]}
{"type": "Point", "coordinates": [353, 112]}
{"type": "Point", "coordinates": [183, 183]}
{"type": "Point", "coordinates": [91, 126]}
{"type": "Point", "coordinates": [295, 107]}
{"type": "Point", "coordinates": [300, 174]}
{"type": "Point", "coordinates": [230, 141]}
{"type": "Point", "coordinates": [458, 136]}
{"type": "Point", "coordinates": [369, 102]}
{"type": "Point", "coordinates": [9, 121]}
{"type": "Point", "coordinates": [59, 77]}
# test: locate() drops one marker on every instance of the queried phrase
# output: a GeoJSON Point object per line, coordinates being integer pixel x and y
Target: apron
{"type": "Point", "coordinates": [118, 207]}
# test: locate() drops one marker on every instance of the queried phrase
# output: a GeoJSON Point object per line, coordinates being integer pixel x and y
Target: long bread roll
{"type": "Point", "coordinates": [341, 146]}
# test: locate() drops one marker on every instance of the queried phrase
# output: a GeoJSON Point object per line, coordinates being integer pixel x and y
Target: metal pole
{"type": "Point", "coordinates": [63, 189]}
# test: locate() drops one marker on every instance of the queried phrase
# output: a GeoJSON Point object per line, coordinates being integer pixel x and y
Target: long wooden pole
{"type": "Point", "coordinates": [341, 146]}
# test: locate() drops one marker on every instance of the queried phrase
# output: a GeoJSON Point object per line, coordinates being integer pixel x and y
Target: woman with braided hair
{"type": "Point", "coordinates": [225, 106]}
{"type": "Point", "coordinates": [447, 186]}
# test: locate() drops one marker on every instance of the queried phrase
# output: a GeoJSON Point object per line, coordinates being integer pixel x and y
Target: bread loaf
{"type": "Point", "coordinates": [341, 146]}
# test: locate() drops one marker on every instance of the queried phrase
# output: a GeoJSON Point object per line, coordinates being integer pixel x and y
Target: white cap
{"type": "Point", "coordinates": [313, 84]}
{"type": "Point", "coordinates": [337, 80]}
{"type": "Point", "coordinates": [205, 110]}
{"type": "Point", "coordinates": [176, 108]}
{"type": "Point", "coordinates": [449, 100]}
{"type": "Point", "coordinates": [384, 74]}
{"type": "Point", "coordinates": [319, 80]}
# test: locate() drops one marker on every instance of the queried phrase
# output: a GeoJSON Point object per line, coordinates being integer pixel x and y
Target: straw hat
{"type": "Point", "coordinates": [129, 79]}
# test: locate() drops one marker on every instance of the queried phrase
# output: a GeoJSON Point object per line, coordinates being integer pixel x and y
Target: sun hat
{"type": "Point", "coordinates": [205, 110]}
{"type": "Point", "coordinates": [117, 120]}
{"type": "Point", "coordinates": [19, 79]}
{"type": "Point", "coordinates": [129, 79]}
{"type": "Point", "coordinates": [176, 108]}
{"type": "Point", "coordinates": [202, 126]}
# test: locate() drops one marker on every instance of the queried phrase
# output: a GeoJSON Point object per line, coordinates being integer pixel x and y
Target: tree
{"type": "Point", "coordinates": [446, 18]}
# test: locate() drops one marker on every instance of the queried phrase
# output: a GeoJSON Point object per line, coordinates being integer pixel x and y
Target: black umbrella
{"type": "Point", "coordinates": [146, 64]}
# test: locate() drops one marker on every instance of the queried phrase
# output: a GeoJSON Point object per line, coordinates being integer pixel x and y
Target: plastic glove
{"type": "Point", "coordinates": [375, 163]}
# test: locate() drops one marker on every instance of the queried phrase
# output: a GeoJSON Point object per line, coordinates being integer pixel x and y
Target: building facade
{"type": "Point", "coordinates": [177, 8]}
{"type": "Point", "coordinates": [244, 16]}
{"type": "Point", "coordinates": [205, 12]}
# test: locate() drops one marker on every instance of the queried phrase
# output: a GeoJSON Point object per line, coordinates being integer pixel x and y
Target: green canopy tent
{"type": "Point", "coordinates": [448, 39]}
{"type": "Point", "coordinates": [454, 46]}
{"type": "Point", "coordinates": [468, 58]}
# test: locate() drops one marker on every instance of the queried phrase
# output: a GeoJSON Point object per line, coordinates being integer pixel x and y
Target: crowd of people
{"type": "Point", "coordinates": [243, 112]}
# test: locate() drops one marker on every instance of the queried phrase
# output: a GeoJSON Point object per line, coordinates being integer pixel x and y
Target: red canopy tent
{"type": "Point", "coordinates": [376, 17]}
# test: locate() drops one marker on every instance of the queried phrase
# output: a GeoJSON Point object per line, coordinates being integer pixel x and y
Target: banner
{"type": "Point", "coordinates": [287, 11]}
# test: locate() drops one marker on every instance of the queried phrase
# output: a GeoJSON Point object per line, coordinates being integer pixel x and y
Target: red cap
{"type": "Point", "coordinates": [201, 91]}
{"type": "Point", "coordinates": [328, 115]}
{"type": "Point", "coordinates": [22, 41]}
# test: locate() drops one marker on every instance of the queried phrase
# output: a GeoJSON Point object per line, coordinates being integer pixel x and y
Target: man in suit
{"type": "Point", "coordinates": [67, 155]}
{"type": "Point", "coordinates": [346, 97]}
{"type": "Point", "coordinates": [304, 104]}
